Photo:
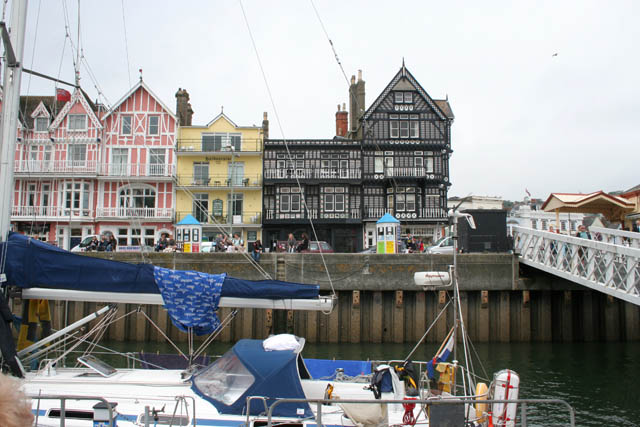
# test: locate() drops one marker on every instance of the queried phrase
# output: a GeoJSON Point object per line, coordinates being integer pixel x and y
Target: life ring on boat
{"type": "Point", "coordinates": [481, 394]}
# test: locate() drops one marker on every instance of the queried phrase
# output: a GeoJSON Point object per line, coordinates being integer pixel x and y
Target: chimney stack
{"type": "Point", "coordinates": [356, 105]}
{"type": "Point", "coordinates": [342, 121]}
{"type": "Point", "coordinates": [265, 126]}
{"type": "Point", "coordinates": [183, 107]}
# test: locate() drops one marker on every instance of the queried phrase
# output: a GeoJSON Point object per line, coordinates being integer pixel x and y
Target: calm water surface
{"type": "Point", "coordinates": [600, 380]}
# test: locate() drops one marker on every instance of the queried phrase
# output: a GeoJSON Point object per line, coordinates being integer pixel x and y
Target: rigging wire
{"type": "Point", "coordinates": [286, 145]}
{"type": "Point", "coordinates": [126, 42]}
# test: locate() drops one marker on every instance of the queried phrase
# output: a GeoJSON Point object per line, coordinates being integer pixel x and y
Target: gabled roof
{"type": "Point", "coordinates": [131, 91]}
{"type": "Point", "coordinates": [80, 96]}
{"type": "Point", "coordinates": [220, 116]}
{"type": "Point", "coordinates": [405, 80]}
{"type": "Point", "coordinates": [612, 207]}
{"type": "Point", "coordinates": [31, 104]}
{"type": "Point", "coordinates": [631, 192]}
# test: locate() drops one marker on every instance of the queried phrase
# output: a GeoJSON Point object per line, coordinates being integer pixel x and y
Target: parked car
{"type": "Point", "coordinates": [82, 246]}
{"type": "Point", "coordinates": [442, 246]}
{"type": "Point", "coordinates": [315, 246]}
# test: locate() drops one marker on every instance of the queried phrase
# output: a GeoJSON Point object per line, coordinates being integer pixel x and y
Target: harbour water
{"type": "Point", "coordinates": [598, 379]}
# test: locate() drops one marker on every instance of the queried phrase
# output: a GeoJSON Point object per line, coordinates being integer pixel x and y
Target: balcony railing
{"type": "Point", "coordinates": [207, 217]}
{"type": "Point", "coordinates": [424, 213]}
{"type": "Point", "coordinates": [414, 172]}
{"type": "Point", "coordinates": [143, 213]}
{"type": "Point", "coordinates": [272, 214]}
{"type": "Point", "coordinates": [224, 147]}
{"type": "Point", "coordinates": [50, 211]}
{"type": "Point", "coordinates": [137, 170]}
{"type": "Point", "coordinates": [332, 174]}
{"type": "Point", "coordinates": [55, 166]}
{"type": "Point", "coordinates": [250, 181]}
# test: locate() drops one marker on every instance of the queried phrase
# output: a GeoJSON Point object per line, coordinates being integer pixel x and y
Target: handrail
{"type": "Point", "coordinates": [63, 400]}
{"type": "Point", "coordinates": [426, 402]}
{"type": "Point", "coordinates": [605, 267]}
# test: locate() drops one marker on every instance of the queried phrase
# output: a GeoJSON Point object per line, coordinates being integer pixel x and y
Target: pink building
{"type": "Point", "coordinates": [80, 170]}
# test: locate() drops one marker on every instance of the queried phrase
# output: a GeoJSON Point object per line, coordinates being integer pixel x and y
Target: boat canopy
{"type": "Point", "coordinates": [31, 263]}
{"type": "Point", "coordinates": [248, 369]}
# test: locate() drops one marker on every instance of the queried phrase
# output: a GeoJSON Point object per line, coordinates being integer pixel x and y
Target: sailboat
{"type": "Point", "coordinates": [257, 381]}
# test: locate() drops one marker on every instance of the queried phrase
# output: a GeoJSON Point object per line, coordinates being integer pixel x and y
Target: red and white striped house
{"type": "Point", "coordinates": [136, 192]}
{"type": "Point", "coordinates": [82, 170]}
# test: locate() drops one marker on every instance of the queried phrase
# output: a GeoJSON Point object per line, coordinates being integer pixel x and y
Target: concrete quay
{"type": "Point", "coordinates": [378, 301]}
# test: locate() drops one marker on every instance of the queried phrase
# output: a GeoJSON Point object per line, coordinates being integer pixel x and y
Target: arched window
{"type": "Point", "coordinates": [137, 201]}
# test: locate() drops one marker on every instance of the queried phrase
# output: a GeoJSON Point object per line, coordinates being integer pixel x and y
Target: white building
{"type": "Point", "coordinates": [476, 202]}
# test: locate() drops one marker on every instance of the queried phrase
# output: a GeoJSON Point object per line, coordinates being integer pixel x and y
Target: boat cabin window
{"type": "Point", "coordinates": [96, 365]}
{"type": "Point", "coordinates": [225, 380]}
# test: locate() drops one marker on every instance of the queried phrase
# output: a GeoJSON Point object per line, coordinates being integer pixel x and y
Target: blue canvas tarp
{"type": "Point", "coordinates": [31, 263]}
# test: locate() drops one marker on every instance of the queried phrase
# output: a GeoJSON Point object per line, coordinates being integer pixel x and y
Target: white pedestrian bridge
{"type": "Point", "coordinates": [608, 263]}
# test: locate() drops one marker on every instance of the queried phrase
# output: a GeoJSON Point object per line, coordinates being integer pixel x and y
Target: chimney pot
{"type": "Point", "coordinates": [359, 75]}
{"type": "Point", "coordinates": [353, 80]}
{"type": "Point", "coordinates": [264, 116]}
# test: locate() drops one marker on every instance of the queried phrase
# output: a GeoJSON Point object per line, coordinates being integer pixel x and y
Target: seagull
{"type": "Point", "coordinates": [555, 54]}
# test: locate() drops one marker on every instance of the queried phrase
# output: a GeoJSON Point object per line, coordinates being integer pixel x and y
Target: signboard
{"type": "Point", "coordinates": [217, 207]}
{"type": "Point", "coordinates": [186, 247]}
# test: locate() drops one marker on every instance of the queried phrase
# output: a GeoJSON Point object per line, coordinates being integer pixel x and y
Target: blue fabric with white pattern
{"type": "Point", "coordinates": [191, 298]}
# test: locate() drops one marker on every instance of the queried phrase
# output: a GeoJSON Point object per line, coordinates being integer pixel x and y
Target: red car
{"type": "Point", "coordinates": [314, 247]}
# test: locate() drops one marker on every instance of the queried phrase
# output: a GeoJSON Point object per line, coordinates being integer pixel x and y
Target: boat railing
{"type": "Point", "coordinates": [426, 404]}
{"type": "Point", "coordinates": [108, 407]}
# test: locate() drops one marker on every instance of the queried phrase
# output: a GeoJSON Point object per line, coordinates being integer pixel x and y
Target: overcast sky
{"type": "Point", "coordinates": [524, 117]}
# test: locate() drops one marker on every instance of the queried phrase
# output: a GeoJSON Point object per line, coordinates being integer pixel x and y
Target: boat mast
{"type": "Point", "coordinates": [13, 53]}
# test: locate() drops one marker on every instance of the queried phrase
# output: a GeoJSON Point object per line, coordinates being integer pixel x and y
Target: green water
{"type": "Point", "coordinates": [597, 379]}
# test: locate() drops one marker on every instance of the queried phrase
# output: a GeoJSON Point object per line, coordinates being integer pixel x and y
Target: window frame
{"type": "Point", "coordinates": [41, 120]}
{"type": "Point", "coordinates": [74, 118]}
{"type": "Point", "coordinates": [150, 126]}
{"type": "Point", "coordinates": [122, 124]}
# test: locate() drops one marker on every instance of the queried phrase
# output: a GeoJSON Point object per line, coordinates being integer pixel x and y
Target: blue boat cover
{"type": "Point", "coordinates": [31, 263]}
{"type": "Point", "coordinates": [276, 377]}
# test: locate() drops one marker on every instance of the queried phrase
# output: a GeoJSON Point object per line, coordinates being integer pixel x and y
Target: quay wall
{"type": "Point", "coordinates": [378, 301]}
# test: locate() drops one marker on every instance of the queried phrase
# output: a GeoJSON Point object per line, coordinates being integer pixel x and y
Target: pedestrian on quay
{"type": "Point", "coordinates": [304, 245]}
{"type": "Point", "coordinates": [291, 243]}
{"type": "Point", "coordinates": [257, 249]}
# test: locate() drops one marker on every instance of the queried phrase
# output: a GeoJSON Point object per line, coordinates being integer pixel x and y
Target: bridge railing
{"type": "Point", "coordinates": [616, 237]}
{"type": "Point", "coordinates": [612, 269]}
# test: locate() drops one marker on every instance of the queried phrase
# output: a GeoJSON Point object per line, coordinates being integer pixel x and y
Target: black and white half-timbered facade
{"type": "Point", "coordinates": [406, 148]}
{"type": "Point", "coordinates": [330, 176]}
{"type": "Point", "coordinates": [394, 159]}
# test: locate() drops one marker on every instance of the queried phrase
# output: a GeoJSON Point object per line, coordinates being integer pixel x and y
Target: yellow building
{"type": "Point", "coordinates": [220, 177]}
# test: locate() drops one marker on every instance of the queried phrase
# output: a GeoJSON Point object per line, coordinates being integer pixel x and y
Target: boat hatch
{"type": "Point", "coordinates": [98, 366]}
{"type": "Point", "coordinates": [165, 420]}
{"type": "Point", "coordinates": [71, 413]}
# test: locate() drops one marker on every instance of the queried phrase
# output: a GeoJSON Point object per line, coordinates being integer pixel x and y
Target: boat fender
{"type": "Point", "coordinates": [481, 394]}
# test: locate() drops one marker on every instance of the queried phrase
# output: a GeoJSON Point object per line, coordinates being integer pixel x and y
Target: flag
{"type": "Point", "coordinates": [527, 191]}
{"type": "Point", "coordinates": [62, 95]}
{"type": "Point", "coordinates": [442, 355]}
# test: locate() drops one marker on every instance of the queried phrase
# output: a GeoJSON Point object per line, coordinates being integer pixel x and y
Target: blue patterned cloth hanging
{"type": "Point", "coordinates": [191, 298]}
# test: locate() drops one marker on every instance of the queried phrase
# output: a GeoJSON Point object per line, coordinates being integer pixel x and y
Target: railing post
{"type": "Point", "coordinates": [319, 414]}
{"type": "Point", "coordinates": [523, 415]}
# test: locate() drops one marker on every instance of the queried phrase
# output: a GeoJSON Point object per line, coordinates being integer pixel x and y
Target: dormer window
{"type": "Point", "coordinates": [41, 124]}
{"type": "Point", "coordinates": [125, 125]}
{"type": "Point", "coordinates": [77, 122]}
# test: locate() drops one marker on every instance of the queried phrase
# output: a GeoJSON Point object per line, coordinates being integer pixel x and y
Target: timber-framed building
{"type": "Point", "coordinates": [392, 157]}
